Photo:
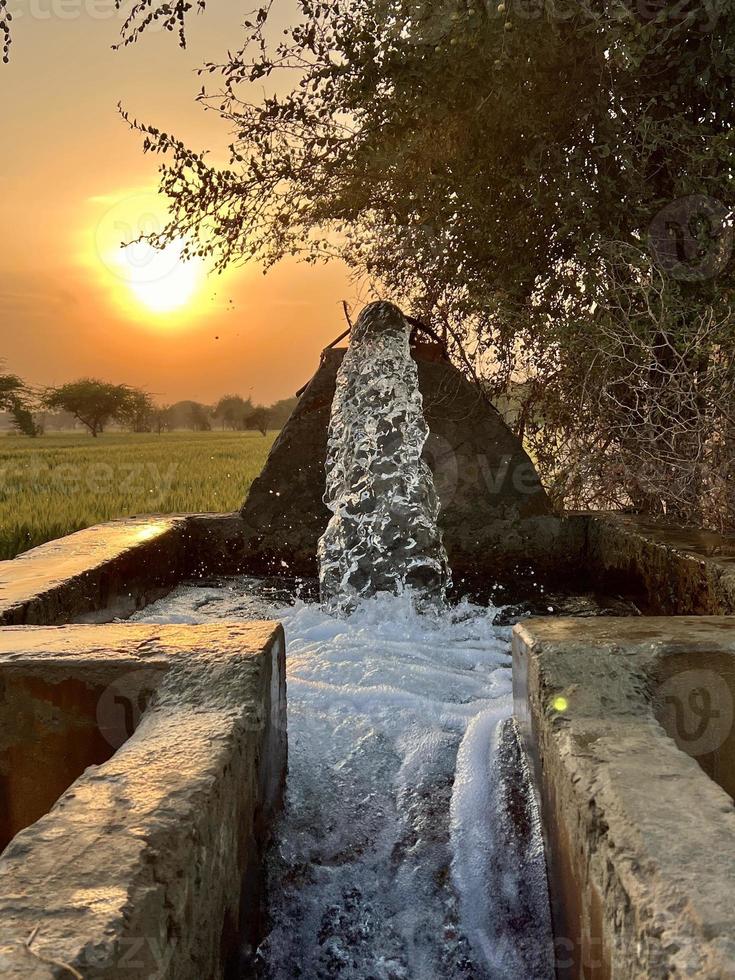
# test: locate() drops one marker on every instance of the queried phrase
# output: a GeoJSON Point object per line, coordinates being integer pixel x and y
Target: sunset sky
{"type": "Point", "coordinates": [74, 182]}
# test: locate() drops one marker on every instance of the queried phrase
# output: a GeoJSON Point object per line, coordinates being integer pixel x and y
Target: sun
{"type": "Point", "coordinates": [160, 279]}
{"type": "Point", "coordinates": [150, 285]}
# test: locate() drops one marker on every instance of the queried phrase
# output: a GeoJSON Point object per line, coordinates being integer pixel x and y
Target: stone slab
{"type": "Point", "coordinates": [640, 841]}
{"type": "Point", "coordinates": [114, 566]}
{"type": "Point", "coordinates": [149, 864]}
{"type": "Point", "coordinates": [677, 571]}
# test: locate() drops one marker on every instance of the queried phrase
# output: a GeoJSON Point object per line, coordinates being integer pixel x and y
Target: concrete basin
{"type": "Point", "coordinates": [139, 765]}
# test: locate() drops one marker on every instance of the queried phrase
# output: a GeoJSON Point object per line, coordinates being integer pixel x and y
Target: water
{"type": "Point", "coordinates": [383, 534]}
{"type": "Point", "coordinates": [409, 846]}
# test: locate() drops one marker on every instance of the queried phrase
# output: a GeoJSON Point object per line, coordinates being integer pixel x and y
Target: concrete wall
{"type": "Point", "coordinates": [150, 862]}
{"type": "Point", "coordinates": [640, 840]}
{"type": "Point", "coordinates": [108, 571]}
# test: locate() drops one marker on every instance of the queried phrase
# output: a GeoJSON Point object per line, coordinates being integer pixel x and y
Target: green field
{"type": "Point", "coordinates": [56, 484]}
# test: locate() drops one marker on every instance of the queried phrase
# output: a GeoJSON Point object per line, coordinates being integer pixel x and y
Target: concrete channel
{"type": "Point", "coordinates": [140, 765]}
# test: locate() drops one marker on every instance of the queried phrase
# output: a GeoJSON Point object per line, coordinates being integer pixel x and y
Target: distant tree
{"type": "Point", "coordinates": [11, 387]}
{"type": "Point", "coordinates": [233, 411]}
{"type": "Point", "coordinates": [138, 411]}
{"type": "Point", "coordinates": [280, 412]}
{"type": "Point", "coordinates": [162, 418]}
{"type": "Point", "coordinates": [199, 417]}
{"type": "Point", "coordinates": [188, 414]}
{"type": "Point", "coordinates": [94, 403]}
{"type": "Point", "coordinates": [24, 421]}
{"type": "Point", "coordinates": [258, 419]}
{"type": "Point", "coordinates": [14, 398]}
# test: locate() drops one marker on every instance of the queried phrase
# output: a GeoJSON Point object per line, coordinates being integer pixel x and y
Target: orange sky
{"type": "Point", "coordinates": [72, 175]}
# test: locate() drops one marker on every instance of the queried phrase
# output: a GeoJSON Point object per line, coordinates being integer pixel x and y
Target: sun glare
{"type": "Point", "coordinates": [160, 280]}
{"type": "Point", "coordinates": [142, 278]}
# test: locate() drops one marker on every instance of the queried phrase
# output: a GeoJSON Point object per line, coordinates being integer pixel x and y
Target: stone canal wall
{"type": "Point", "coordinates": [173, 741]}
{"type": "Point", "coordinates": [629, 723]}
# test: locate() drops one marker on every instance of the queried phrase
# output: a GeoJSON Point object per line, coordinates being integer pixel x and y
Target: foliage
{"type": "Point", "coordinates": [14, 398]}
{"type": "Point", "coordinates": [238, 413]}
{"type": "Point", "coordinates": [60, 483]}
{"type": "Point", "coordinates": [11, 387]}
{"type": "Point", "coordinates": [161, 419]}
{"type": "Point", "coordinates": [187, 414]}
{"type": "Point", "coordinates": [488, 167]}
{"type": "Point", "coordinates": [141, 14]}
{"type": "Point", "coordinates": [133, 409]}
{"type": "Point", "coordinates": [259, 419]}
{"type": "Point", "coordinates": [464, 137]}
{"type": "Point", "coordinates": [24, 421]}
{"type": "Point", "coordinates": [233, 410]}
{"type": "Point", "coordinates": [638, 409]}
{"type": "Point", "coordinates": [137, 411]}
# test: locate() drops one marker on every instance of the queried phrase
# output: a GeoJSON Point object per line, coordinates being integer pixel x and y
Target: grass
{"type": "Point", "coordinates": [59, 483]}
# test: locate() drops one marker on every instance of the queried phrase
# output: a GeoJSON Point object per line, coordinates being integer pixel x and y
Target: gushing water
{"type": "Point", "coordinates": [383, 534]}
{"type": "Point", "coordinates": [409, 847]}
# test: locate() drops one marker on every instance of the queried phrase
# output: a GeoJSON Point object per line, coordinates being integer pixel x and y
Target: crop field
{"type": "Point", "coordinates": [59, 483]}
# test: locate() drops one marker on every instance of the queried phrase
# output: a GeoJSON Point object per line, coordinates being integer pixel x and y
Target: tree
{"type": "Point", "coordinates": [188, 414]}
{"type": "Point", "coordinates": [233, 410]}
{"type": "Point", "coordinates": [162, 418]}
{"type": "Point", "coordinates": [14, 397]}
{"type": "Point", "coordinates": [24, 421]}
{"type": "Point", "coordinates": [94, 403]}
{"type": "Point", "coordinates": [138, 411]}
{"type": "Point", "coordinates": [11, 387]}
{"type": "Point", "coordinates": [492, 169]}
{"type": "Point", "coordinates": [198, 417]}
{"type": "Point", "coordinates": [258, 419]}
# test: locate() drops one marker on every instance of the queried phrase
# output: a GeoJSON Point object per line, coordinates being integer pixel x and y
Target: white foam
{"type": "Point", "coordinates": [382, 856]}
